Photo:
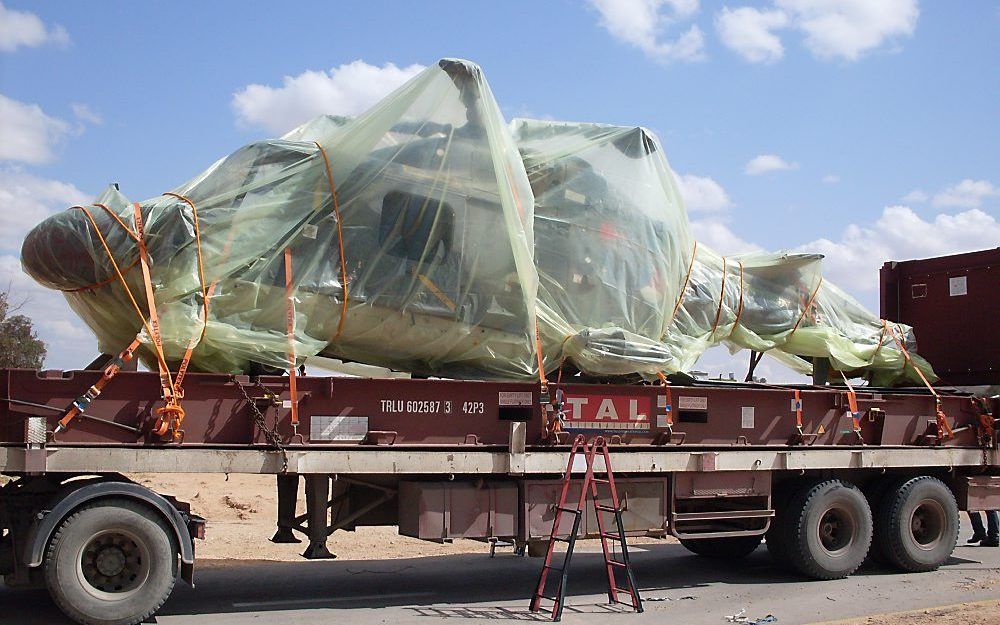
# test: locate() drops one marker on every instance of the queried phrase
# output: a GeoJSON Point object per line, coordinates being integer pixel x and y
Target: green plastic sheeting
{"type": "Point", "coordinates": [463, 239]}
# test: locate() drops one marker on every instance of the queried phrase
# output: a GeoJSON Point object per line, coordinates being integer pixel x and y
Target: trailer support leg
{"type": "Point", "coordinates": [288, 493]}
{"type": "Point", "coordinates": [317, 511]}
{"type": "Point", "coordinates": [821, 371]}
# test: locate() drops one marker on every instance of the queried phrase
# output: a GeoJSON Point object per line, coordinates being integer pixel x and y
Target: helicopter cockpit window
{"type": "Point", "coordinates": [416, 227]}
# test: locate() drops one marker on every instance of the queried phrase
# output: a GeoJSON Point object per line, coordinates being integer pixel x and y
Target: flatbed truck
{"type": "Point", "coordinates": [827, 476]}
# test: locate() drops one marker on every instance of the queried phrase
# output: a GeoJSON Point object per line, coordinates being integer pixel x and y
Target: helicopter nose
{"type": "Point", "coordinates": [63, 252]}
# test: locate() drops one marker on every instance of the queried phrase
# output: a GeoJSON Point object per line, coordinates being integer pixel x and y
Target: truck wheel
{"type": "Point", "coordinates": [776, 545]}
{"type": "Point", "coordinates": [875, 492]}
{"type": "Point", "coordinates": [917, 524]}
{"type": "Point", "coordinates": [113, 562]}
{"type": "Point", "coordinates": [828, 530]}
{"type": "Point", "coordinates": [731, 548]}
{"type": "Point", "coordinates": [776, 537]}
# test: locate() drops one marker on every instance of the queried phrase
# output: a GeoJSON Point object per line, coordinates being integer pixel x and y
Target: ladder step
{"type": "Point", "coordinates": [612, 537]}
{"type": "Point", "coordinates": [567, 509]}
{"type": "Point", "coordinates": [601, 480]}
{"type": "Point", "coordinates": [560, 539]}
{"type": "Point", "coordinates": [604, 508]}
{"type": "Point", "coordinates": [617, 563]}
{"type": "Point", "coordinates": [552, 568]}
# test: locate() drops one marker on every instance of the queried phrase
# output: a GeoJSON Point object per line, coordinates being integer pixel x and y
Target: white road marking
{"type": "Point", "coordinates": [318, 600]}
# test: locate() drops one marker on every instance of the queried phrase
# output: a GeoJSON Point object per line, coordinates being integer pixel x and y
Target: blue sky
{"type": "Point", "coordinates": [863, 130]}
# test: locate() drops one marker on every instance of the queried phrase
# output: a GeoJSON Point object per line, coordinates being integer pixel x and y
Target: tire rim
{"type": "Point", "coordinates": [113, 565]}
{"type": "Point", "coordinates": [837, 528]}
{"type": "Point", "coordinates": [927, 523]}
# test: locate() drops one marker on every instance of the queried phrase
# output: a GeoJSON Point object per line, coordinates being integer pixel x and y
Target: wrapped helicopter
{"type": "Point", "coordinates": [429, 236]}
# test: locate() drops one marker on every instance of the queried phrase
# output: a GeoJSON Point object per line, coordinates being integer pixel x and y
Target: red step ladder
{"type": "Point", "coordinates": [590, 451]}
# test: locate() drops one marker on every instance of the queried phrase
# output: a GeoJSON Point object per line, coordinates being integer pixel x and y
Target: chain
{"type": "Point", "coordinates": [986, 429]}
{"type": "Point", "coordinates": [270, 434]}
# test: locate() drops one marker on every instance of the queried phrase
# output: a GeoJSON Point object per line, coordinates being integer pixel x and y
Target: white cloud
{"type": "Point", "coordinates": [85, 114]}
{"type": "Point", "coordinates": [917, 196]}
{"type": "Point", "coordinates": [966, 194]}
{"type": "Point", "coordinates": [23, 28]}
{"type": "Point", "coordinates": [27, 134]}
{"type": "Point", "coordinates": [702, 194]}
{"type": "Point", "coordinates": [847, 29]}
{"type": "Point", "coordinates": [641, 23]}
{"type": "Point", "coordinates": [717, 235]}
{"type": "Point", "coordinates": [853, 260]}
{"type": "Point", "coordinates": [764, 163]}
{"type": "Point", "coordinates": [749, 32]}
{"type": "Point", "coordinates": [831, 179]}
{"type": "Point", "coordinates": [25, 200]}
{"type": "Point", "coordinates": [345, 90]}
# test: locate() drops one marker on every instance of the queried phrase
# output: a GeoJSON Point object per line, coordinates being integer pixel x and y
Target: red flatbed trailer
{"type": "Point", "coordinates": [718, 465]}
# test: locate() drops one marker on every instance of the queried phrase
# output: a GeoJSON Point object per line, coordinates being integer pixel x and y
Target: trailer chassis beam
{"type": "Point", "coordinates": [57, 459]}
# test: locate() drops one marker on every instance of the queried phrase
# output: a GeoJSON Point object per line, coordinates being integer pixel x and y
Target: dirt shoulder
{"type": "Point", "coordinates": [977, 613]}
{"type": "Point", "coordinates": [242, 512]}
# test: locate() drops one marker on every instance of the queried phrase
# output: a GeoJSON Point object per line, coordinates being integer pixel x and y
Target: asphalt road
{"type": "Point", "coordinates": [449, 590]}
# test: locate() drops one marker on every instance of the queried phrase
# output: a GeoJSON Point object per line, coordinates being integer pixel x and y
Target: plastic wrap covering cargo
{"type": "Point", "coordinates": [611, 238]}
{"type": "Point", "coordinates": [779, 303]}
{"type": "Point", "coordinates": [404, 241]}
{"type": "Point", "coordinates": [624, 289]}
{"type": "Point", "coordinates": [404, 238]}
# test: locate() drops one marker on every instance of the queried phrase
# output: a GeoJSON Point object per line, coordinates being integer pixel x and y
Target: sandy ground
{"type": "Point", "coordinates": [242, 510]}
{"type": "Point", "coordinates": [242, 514]}
{"type": "Point", "coordinates": [978, 613]}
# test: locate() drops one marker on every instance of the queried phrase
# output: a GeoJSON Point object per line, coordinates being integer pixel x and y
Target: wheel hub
{"type": "Point", "coordinates": [112, 563]}
{"type": "Point", "coordinates": [836, 530]}
{"type": "Point", "coordinates": [927, 524]}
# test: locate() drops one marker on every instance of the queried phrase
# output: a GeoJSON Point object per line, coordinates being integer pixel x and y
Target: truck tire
{"type": "Point", "coordinates": [112, 562]}
{"type": "Point", "coordinates": [776, 537]}
{"type": "Point", "coordinates": [731, 548]}
{"type": "Point", "coordinates": [828, 530]}
{"type": "Point", "coordinates": [917, 524]}
{"type": "Point", "coordinates": [774, 541]}
{"type": "Point", "coordinates": [875, 492]}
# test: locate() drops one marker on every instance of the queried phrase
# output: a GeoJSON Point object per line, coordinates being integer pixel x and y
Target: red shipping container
{"type": "Point", "coordinates": [953, 303]}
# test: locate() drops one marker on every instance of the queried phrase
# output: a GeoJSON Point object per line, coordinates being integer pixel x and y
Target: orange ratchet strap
{"type": "Point", "coordinates": [111, 278]}
{"type": "Point", "coordinates": [171, 411]}
{"type": "Point", "coordinates": [680, 296]}
{"type": "Point", "coordinates": [80, 404]}
{"type": "Point", "coordinates": [852, 404]}
{"type": "Point", "coordinates": [290, 329]}
{"type": "Point", "coordinates": [944, 431]}
{"type": "Point", "coordinates": [722, 299]}
{"type": "Point", "coordinates": [987, 427]}
{"type": "Point", "coordinates": [171, 415]}
{"type": "Point", "coordinates": [669, 408]}
{"type": "Point", "coordinates": [542, 380]}
{"type": "Point", "coordinates": [805, 309]}
{"type": "Point", "coordinates": [797, 403]}
{"type": "Point", "coordinates": [340, 241]}
{"type": "Point", "coordinates": [206, 294]}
